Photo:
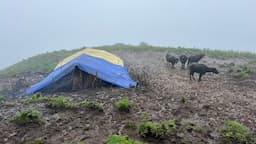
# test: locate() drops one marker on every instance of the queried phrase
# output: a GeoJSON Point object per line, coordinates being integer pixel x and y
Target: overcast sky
{"type": "Point", "coordinates": [29, 27]}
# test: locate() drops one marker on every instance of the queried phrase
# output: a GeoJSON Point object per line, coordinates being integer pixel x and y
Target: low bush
{"type": "Point", "coordinates": [241, 71]}
{"type": "Point", "coordinates": [36, 141]}
{"type": "Point", "coordinates": [156, 130]}
{"type": "Point", "coordinates": [1, 99]}
{"type": "Point", "coordinates": [131, 124]}
{"type": "Point", "coordinates": [28, 116]}
{"type": "Point", "coordinates": [61, 102]}
{"type": "Point", "coordinates": [123, 104]}
{"type": "Point", "coordinates": [234, 132]}
{"type": "Point", "coordinates": [93, 105]}
{"type": "Point", "coordinates": [36, 98]}
{"type": "Point", "coordinates": [141, 75]}
{"type": "Point", "coordinates": [120, 139]}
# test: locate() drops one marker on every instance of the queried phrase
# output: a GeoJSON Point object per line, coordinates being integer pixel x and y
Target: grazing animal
{"type": "Point", "coordinates": [195, 58]}
{"type": "Point", "coordinates": [171, 59]}
{"type": "Point", "coordinates": [201, 69]}
{"type": "Point", "coordinates": [183, 60]}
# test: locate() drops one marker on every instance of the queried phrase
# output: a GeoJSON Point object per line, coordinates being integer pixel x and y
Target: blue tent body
{"type": "Point", "coordinates": [104, 70]}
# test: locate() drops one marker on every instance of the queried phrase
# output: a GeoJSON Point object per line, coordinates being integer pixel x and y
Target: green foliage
{"type": "Point", "coordinates": [36, 141]}
{"type": "Point", "coordinates": [241, 71]}
{"type": "Point", "coordinates": [191, 127]}
{"type": "Point", "coordinates": [234, 132]}
{"type": "Point", "coordinates": [28, 116]}
{"type": "Point", "coordinates": [156, 130]}
{"type": "Point", "coordinates": [1, 99]}
{"type": "Point", "coordinates": [8, 104]}
{"type": "Point", "coordinates": [76, 143]}
{"type": "Point", "coordinates": [184, 99]}
{"type": "Point", "coordinates": [120, 139]}
{"type": "Point", "coordinates": [36, 98]}
{"type": "Point", "coordinates": [93, 105]}
{"type": "Point", "coordinates": [61, 102]}
{"type": "Point", "coordinates": [131, 124]}
{"type": "Point", "coordinates": [123, 104]}
{"type": "Point", "coordinates": [43, 62]}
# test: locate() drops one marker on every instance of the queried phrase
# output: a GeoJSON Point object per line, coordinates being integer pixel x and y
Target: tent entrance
{"type": "Point", "coordinates": [74, 81]}
{"type": "Point", "coordinates": [83, 80]}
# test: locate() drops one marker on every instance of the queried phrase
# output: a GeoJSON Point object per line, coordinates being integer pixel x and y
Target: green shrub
{"type": "Point", "coordinates": [1, 99]}
{"type": "Point", "coordinates": [9, 104]}
{"type": "Point", "coordinates": [28, 116]}
{"type": "Point", "coordinates": [131, 124]}
{"type": "Point", "coordinates": [156, 130]}
{"type": "Point", "coordinates": [76, 143]}
{"type": "Point", "coordinates": [93, 105]}
{"type": "Point", "coordinates": [191, 127]}
{"type": "Point", "coordinates": [36, 98]}
{"type": "Point", "coordinates": [61, 102]}
{"type": "Point", "coordinates": [36, 141]}
{"type": "Point", "coordinates": [123, 104]}
{"type": "Point", "coordinates": [241, 71]}
{"type": "Point", "coordinates": [234, 132]}
{"type": "Point", "coordinates": [120, 139]}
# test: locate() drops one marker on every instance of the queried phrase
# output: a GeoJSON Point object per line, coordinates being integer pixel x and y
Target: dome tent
{"type": "Point", "coordinates": [98, 63]}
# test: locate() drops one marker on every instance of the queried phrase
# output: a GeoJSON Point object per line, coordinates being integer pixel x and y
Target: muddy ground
{"type": "Point", "coordinates": [208, 104]}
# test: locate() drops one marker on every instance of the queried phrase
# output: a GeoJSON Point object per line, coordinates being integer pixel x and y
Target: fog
{"type": "Point", "coordinates": [31, 27]}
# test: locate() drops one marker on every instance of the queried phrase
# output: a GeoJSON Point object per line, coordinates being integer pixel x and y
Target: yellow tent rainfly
{"type": "Point", "coordinates": [95, 53]}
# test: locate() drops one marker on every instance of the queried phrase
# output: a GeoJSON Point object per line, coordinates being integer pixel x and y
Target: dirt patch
{"type": "Point", "coordinates": [169, 94]}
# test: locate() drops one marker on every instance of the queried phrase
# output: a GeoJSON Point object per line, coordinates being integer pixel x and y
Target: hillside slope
{"type": "Point", "coordinates": [47, 61]}
{"type": "Point", "coordinates": [199, 109]}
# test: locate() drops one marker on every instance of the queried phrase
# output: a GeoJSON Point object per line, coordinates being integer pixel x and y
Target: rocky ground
{"type": "Point", "coordinates": [167, 93]}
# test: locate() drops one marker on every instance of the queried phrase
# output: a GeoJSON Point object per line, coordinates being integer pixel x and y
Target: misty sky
{"type": "Point", "coordinates": [29, 27]}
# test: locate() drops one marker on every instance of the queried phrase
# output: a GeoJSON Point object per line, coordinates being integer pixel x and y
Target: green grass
{"type": "Point", "coordinates": [36, 141]}
{"type": "Point", "coordinates": [120, 139]}
{"type": "Point", "coordinates": [241, 71]}
{"type": "Point", "coordinates": [155, 129]}
{"type": "Point", "coordinates": [62, 102]}
{"type": "Point", "coordinates": [36, 98]}
{"type": "Point", "coordinates": [131, 124]}
{"type": "Point", "coordinates": [93, 105]}
{"type": "Point", "coordinates": [43, 62]}
{"type": "Point", "coordinates": [1, 99]}
{"type": "Point", "coordinates": [47, 61]}
{"type": "Point", "coordinates": [123, 104]}
{"type": "Point", "coordinates": [234, 132]}
{"type": "Point", "coordinates": [28, 116]}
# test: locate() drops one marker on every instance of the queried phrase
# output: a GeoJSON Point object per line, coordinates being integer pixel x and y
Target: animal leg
{"type": "Point", "coordinates": [200, 76]}
{"type": "Point", "coordinates": [172, 65]}
{"type": "Point", "coordinates": [193, 76]}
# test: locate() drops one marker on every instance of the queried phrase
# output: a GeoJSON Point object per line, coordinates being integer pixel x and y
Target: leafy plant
{"type": "Point", "coordinates": [61, 102]}
{"type": "Point", "coordinates": [9, 104]}
{"type": "Point", "coordinates": [156, 130]}
{"type": "Point", "coordinates": [123, 104]}
{"type": "Point", "coordinates": [94, 105]}
{"type": "Point", "coordinates": [234, 132]}
{"type": "Point", "coordinates": [1, 99]}
{"type": "Point", "coordinates": [28, 116]}
{"type": "Point", "coordinates": [131, 124]}
{"type": "Point", "coordinates": [36, 141]}
{"type": "Point", "coordinates": [76, 143]}
{"type": "Point", "coordinates": [191, 127]}
{"type": "Point", "coordinates": [241, 71]}
{"type": "Point", "coordinates": [120, 139]}
{"type": "Point", "coordinates": [36, 98]}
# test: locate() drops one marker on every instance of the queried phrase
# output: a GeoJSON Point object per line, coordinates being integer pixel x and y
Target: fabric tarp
{"type": "Point", "coordinates": [95, 53]}
{"type": "Point", "coordinates": [101, 68]}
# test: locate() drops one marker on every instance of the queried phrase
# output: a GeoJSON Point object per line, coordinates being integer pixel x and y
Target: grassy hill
{"type": "Point", "coordinates": [47, 61]}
